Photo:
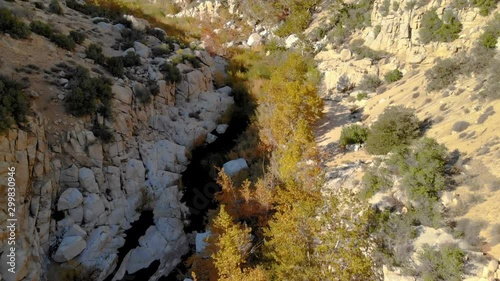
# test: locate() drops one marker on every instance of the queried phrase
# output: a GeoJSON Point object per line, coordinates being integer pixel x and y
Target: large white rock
{"type": "Point", "coordinates": [142, 50]}
{"type": "Point", "coordinates": [87, 180]}
{"type": "Point", "coordinates": [137, 23]}
{"type": "Point", "coordinates": [200, 241]}
{"type": "Point", "coordinates": [221, 129]}
{"type": "Point", "coordinates": [151, 248]}
{"type": "Point", "coordinates": [70, 175]}
{"type": "Point", "coordinates": [123, 94]}
{"type": "Point", "coordinates": [92, 207]}
{"type": "Point", "coordinates": [254, 39]}
{"type": "Point", "coordinates": [70, 247]}
{"type": "Point", "coordinates": [134, 176]}
{"type": "Point", "coordinates": [232, 167]}
{"type": "Point", "coordinates": [226, 90]}
{"type": "Point", "coordinates": [69, 199]}
{"type": "Point", "coordinates": [291, 40]}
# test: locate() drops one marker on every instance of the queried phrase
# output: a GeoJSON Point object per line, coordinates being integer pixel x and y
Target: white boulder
{"type": "Point", "coordinates": [70, 247]}
{"type": "Point", "coordinates": [233, 167]}
{"type": "Point", "coordinates": [87, 180]}
{"type": "Point", "coordinates": [291, 40]}
{"type": "Point", "coordinates": [254, 40]}
{"type": "Point", "coordinates": [69, 199]}
{"type": "Point", "coordinates": [200, 241]}
{"type": "Point", "coordinates": [221, 129]}
{"type": "Point", "coordinates": [92, 207]}
{"type": "Point", "coordinates": [142, 50]}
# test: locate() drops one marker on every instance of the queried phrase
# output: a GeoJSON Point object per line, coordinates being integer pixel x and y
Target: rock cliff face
{"type": "Point", "coordinates": [76, 196]}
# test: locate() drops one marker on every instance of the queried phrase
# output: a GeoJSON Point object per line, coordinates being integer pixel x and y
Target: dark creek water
{"type": "Point", "coordinates": [199, 189]}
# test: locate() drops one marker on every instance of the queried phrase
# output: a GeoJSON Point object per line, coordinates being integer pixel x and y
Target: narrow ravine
{"type": "Point", "coordinates": [199, 188]}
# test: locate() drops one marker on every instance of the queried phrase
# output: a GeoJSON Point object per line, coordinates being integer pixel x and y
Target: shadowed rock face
{"type": "Point", "coordinates": [78, 198]}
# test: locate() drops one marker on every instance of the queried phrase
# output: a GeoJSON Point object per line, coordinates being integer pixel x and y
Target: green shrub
{"type": "Point", "coordinates": [393, 76]}
{"type": "Point", "coordinates": [14, 104]}
{"type": "Point", "coordinates": [55, 7]}
{"type": "Point", "coordinates": [298, 16]}
{"type": "Point", "coordinates": [384, 8]}
{"type": "Point", "coordinates": [349, 18]}
{"type": "Point", "coordinates": [489, 38]}
{"type": "Point", "coordinates": [102, 132]}
{"type": "Point", "coordinates": [361, 96]}
{"type": "Point", "coordinates": [195, 62]}
{"type": "Point", "coordinates": [445, 263]}
{"type": "Point", "coordinates": [374, 180]}
{"type": "Point", "coordinates": [41, 28]}
{"type": "Point", "coordinates": [87, 94]}
{"type": "Point", "coordinates": [459, 126]}
{"type": "Point", "coordinates": [39, 5]}
{"type": "Point", "coordinates": [63, 41]}
{"type": "Point", "coordinates": [142, 94]}
{"type": "Point", "coordinates": [170, 73]}
{"type": "Point", "coordinates": [443, 73]}
{"type": "Point", "coordinates": [434, 29]}
{"type": "Point", "coordinates": [369, 83]}
{"type": "Point", "coordinates": [422, 167]}
{"type": "Point", "coordinates": [11, 25]}
{"type": "Point", "coordinates": [161, 51]}
{"type": "Point", "coordinates": [131, 59]}
{"type": "Point", "coordinates": [94, 52]}
{"type": "Point", "coordinates": [485, 6]}
{"type": "Point", "coordinates": [115, 66]}
{"type": "Point", "coordinates": [77, 36]}
{"type": "Point", "coordinates": [353, 134]}
{"type": "Point", "coordinates": [397, 126]}
{"type": "Point", "coordinates": [363, 51]}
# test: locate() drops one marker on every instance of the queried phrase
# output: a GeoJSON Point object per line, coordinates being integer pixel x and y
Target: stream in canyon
{"type": "Point", "coordinates": [199, 188]}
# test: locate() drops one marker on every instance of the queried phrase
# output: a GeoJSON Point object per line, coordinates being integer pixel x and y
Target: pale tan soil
{"type": "Point", "coordinates": [483, 166]}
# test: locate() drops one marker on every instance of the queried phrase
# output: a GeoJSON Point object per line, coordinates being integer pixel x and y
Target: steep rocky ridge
{"type": "Point", "coordinates": [76, 195]}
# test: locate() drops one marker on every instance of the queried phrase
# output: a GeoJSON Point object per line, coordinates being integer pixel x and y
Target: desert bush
{"type": "Point", "coordinates": [298, 16]}
{"type": "Point", "coordinates": [77, 36]}
{"type": "Point", "coordinates": [362, 52]}
{"type": "Point", "coordinates": [40, 5]}
{"type": "Point", "coordinates": [393, 76]}
{"type": "Point", "coordinates": [63, 41]}
{"type": "Point", "coordinates": [94, 52]}
{"type": "Point", "coordinates": [131, 59]}
{"type": "Point", "coordinates": [344, 84]}
{"type": "Point", "coordinates": [443, 264]}
{"type": "Point", "coordinates": [361, 96]}
{"type": "Point", "coordinates": [353, 134]}
{"type": "Point", "coordinates": [195, 62]}
{"type": "Point", "coordinates": [55, 7]}
{"type": "Point", "coordinates": [102, 132]}
{"type": "Point", "coordinates": [369, 83]}
{"type": "Point", "coordinates": [14, 104]}
{"type": "Point", "coordinates": [459, 126]}
{"type": "Point", "coordinates": [422, 167]}
{"type": "Point", "coordinates": [470, 231]}
{"type": "Point", "coordinates": [384, 8]}
{"type": "Point", "coordinates": [161, 51]}
{"type": "Point", "coordinates": [349, 18]}
{"type": "Point", "coordinates": [435, 29]}
{"type": "Point", "coordinates": [115, 66]}
{"type": "Point", "coordinates": [171, 73]}
{"type": "Point", "coordinates": [42, 29]}
{"type": "Point", "coordinates": [485, 6]}
{"type": "Point", "coordinates": [443, 73]}
{"type": "Point", "coordinates": [142, 94]}
{"type": "Point", "coordinates": [88, 93]}
{"type": "Point", "coordinates": [374, 180]}
{"type": "Point", "coordinates": [11, 25]}
{"type": "Point", "coordinates": [489, 38]}
{"type": "Point", "coordinates": [487, 113]}
{"type": "Point", "coordinates": [397, 126]}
